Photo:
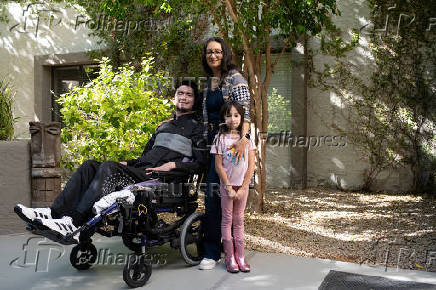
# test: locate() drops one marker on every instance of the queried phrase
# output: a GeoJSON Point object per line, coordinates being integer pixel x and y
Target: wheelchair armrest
{"type": "Point", "coordinates": [168, 174]}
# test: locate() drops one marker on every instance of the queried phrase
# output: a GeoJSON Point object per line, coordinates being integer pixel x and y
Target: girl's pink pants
{"type": "Point", "coordinates": [232, 214]}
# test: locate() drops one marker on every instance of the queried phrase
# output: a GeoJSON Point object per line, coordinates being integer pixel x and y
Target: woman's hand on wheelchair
{"type": "Point", "coordinates": [164, 167]}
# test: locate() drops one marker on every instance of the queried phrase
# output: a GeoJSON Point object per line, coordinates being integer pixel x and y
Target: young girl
{"type": "Point", "coordinates": [235, 179]}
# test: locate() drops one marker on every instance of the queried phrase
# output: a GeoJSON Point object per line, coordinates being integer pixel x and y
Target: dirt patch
{"type": "Point", "coordinates": [383, 229]}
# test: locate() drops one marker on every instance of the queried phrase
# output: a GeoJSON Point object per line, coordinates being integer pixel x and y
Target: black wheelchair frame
{"type": "Point", "coordinates": [140, 228]}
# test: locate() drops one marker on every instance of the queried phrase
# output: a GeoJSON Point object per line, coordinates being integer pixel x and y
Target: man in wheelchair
{"type": "Point", "coordinates": [172, 143]}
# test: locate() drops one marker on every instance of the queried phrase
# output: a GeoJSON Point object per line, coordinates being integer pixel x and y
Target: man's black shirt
{"type": "Point", "coordinates": [184, 125]}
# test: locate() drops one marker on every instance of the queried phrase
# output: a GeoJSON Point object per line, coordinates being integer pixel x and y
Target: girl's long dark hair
{"type": "Point", "coordinates": [225, 109]}
{"type": "Point", "coordinates": [226, 62]}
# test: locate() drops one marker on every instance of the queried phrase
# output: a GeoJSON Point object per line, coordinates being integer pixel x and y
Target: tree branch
{"type": "Point", "coordinates": [285, 45]}
{"type": "Point", "coordinates": [221, 28]}
{"type": "Point", "coordinates": [247, 46]}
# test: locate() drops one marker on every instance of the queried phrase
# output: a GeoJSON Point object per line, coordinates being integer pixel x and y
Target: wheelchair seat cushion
{"type": "Point", "coordinates": [145, 185]}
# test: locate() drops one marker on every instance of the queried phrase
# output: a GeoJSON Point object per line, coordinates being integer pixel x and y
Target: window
{"type": "Point", "coordinates": [279, 95]}
{"type": "Point", "coordinates": [66, 77]}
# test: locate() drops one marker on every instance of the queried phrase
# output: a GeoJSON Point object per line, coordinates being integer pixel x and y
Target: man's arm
{"type": "Point", "coordinates": [199, 153]}
{"type": "Point", "coordinates": [148, 147]}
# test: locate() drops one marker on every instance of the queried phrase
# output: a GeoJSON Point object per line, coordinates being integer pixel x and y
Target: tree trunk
{"type": "Point", "coordinates": [255, 197]}
{"type": "Point", "coordinates": [260, 102]}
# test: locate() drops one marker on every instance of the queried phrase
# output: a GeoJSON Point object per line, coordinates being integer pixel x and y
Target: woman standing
{"type": "Point", "coordinates": [224, 84]}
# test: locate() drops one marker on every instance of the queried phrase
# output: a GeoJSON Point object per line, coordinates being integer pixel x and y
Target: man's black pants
{"type": "Point", "coordinates": [89, 183]}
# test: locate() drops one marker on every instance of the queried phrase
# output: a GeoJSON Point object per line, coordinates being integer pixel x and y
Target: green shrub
{"type": "Point", "coordinates": [112, 117]}
{"type": "Point", "coordinates": [7, 119]}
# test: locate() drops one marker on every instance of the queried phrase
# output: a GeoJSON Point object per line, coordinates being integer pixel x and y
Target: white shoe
{"type": "Point", "coordinates": [57, 229]}
{"type": "Point", "coordinates": [207, 264]}
{"type": "Point", "coordinates": [107, 200]}
{"type": "Point", "coordinates": [28, 214]}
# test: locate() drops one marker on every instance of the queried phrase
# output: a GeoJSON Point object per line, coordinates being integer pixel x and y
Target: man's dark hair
{"type": "Point", "coordinates": [197, 99]}
{"type": "Point", "coordinates": [226, 61]}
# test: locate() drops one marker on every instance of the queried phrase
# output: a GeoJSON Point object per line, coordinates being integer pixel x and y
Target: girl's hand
{"type": "Point", "coordinates": [230, 191]}
{"type": "Point", "coordinates": [240, 192]}
{"type": "Point", "coordinates": [239, 149]}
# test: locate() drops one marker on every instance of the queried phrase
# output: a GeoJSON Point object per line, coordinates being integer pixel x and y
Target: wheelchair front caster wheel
{"type": "Point", "coordinates": [137, 271]}
{"type": "Point", "coordinates": [191, 239]}
{"type": "Point", "coordinates": [133, 242]}
{"type": "Point", "coordinates": [83, 256]}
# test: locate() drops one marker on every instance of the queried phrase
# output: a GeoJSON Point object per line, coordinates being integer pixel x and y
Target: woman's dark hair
{"type": "Point", "coordinates": [225, 109]}
{"type": "Point", "coordinates": [226, 61]}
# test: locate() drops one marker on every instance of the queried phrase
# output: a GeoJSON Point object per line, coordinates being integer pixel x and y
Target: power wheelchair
{"type": "Point", "coordinates": [140, 228]}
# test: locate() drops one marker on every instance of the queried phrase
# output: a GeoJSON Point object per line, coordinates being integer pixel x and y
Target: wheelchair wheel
{"type": "Point", "coordinates": [132, 242]}
{"type": "Point", "coordinates": [137, 271]}
{"type": "Point", "coordinates": [83, 256]}
{"type": "Point", "coordinates": [191, 239]}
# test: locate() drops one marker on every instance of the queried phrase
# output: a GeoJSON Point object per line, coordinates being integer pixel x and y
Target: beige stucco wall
{"type": "Point", "coordinates": [278, 164]}
{"type": "Point", "coordinates": [343, 166]}
{"type": "Point", "coordinates": [15, 183]}
{"type": "Point", "coordinates": [20, 42]}
{"type": "Point", "coordinates": [333, 166]}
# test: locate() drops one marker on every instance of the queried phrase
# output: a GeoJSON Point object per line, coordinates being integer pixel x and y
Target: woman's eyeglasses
{"type": "Point", "coordinates": [216, 52]}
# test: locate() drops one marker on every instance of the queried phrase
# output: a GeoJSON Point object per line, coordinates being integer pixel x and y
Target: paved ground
{"type": "Point", "coordinates": [21, 269]}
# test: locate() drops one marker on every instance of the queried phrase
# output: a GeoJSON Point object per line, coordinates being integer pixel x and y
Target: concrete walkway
{"type": "Point", "coordinates": [31, 262]}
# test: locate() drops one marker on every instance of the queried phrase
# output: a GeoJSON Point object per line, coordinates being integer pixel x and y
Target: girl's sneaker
{"type": "Point", "coordinates": [207, 264]}
{"type": "Point", "coordinates": [28, 214]}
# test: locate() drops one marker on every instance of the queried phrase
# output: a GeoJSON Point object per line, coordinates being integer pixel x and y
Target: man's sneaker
{"type": "Point", "coordinates": [58, 230]}
{"type": "Point", "coordinates": [207, 264]}
{"type": "Point", "coordinates": [28, 214]}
